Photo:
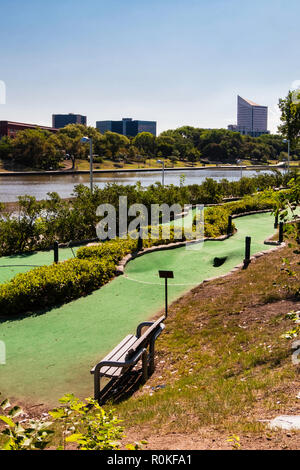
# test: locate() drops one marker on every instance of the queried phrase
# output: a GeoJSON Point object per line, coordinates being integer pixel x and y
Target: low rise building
{"type": "Point", "coordinates": [10, 128]}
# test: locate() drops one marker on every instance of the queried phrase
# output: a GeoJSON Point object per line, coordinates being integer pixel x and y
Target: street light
{"type": "Point", "coordinates": [162, 162]}
{"type": "Point", "coordinates": [85, 140]}
{"type": "Point", "coordinates": [287, 141]}
{"type": "Point", "coordinates": [240, 162]}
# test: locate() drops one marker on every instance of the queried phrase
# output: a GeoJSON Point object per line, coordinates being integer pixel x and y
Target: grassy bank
{"type": "Point", "coordinates": [223, 366]}
{"type": "Point", "coordinates": [149, 163]}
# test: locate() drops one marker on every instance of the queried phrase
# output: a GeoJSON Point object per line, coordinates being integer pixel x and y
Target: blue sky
{"type": "Point", "coordinates": [177, 62]}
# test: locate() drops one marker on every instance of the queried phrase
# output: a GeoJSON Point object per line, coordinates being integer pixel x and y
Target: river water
{"type": "Point", "coordinates": [39, 185]}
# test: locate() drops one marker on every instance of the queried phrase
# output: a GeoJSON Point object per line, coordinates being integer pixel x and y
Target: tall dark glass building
{"type": "Point", "coordinates": [62, 120]}
{"type": "Point", "coordinates": [252, 118]}
{"type": "Point", "coordinates": [127, 127]}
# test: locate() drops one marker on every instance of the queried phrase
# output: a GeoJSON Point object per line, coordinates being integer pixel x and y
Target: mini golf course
{"type": "Point", "coordinates": [10, 266]}
{"type": "Point", "coordinates": [51, 354]}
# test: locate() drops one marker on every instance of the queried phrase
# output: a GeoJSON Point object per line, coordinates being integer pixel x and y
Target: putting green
{"type": "Point", "coordinates": [10, 266]}
{"type": "Point", "coordinates": [51, 354]}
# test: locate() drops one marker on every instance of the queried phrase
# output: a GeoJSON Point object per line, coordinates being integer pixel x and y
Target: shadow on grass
{"type": "Point", "coordinates": [118, 390]}
{"type": "Point", "coordinates": [40, 312]}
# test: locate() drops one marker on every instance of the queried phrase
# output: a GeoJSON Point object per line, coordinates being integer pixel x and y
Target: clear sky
{"type": "Point", "coordinates": [180, 62]}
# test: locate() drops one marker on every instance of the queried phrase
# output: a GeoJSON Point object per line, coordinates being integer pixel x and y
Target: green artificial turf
{"type": "Point", "coordinates": [51, 354]}
{"type": "Point", "coordinates": [10, 266]}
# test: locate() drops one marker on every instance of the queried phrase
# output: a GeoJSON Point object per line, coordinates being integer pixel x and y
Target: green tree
{"type": "Point", "coordinates": [290, 116]}
{"type": "Point", "coordinates": [112, 143]}
{"type": "Point", "coordinates": [70, 141]}
{"type": "Point", "coordinates": [6, 147]}
{"type": "Point", "coordinates": [37, 148]}
{"type": "Point", "coordinates": [145, 141]}
{"type": "Point", "coordinates": [165, 145]}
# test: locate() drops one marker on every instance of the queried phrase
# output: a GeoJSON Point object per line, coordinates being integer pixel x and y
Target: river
{"type": "Point", "coordinates": [39, 185]}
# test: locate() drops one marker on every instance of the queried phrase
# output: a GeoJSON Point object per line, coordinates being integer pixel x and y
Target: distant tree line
{"type": "Point", "coordinates": [37, 148]}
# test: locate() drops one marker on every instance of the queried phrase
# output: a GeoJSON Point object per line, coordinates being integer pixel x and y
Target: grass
{"type": "Point", "coordinates": [222, 364]}
{"type": "Point", "coordinates": [112, 165]}
{"type": "Point", "coordinates": [222, 360]}
{"type": "Point", "coordinates": [149, 163]}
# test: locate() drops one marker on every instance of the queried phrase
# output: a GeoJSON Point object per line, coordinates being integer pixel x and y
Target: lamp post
{"type": "Point", "coordinates": [166, 275]}
{"type": "Point", "coordinates": [162, 162]}
{"type": "Point", "coordinates": [84, 140]}
{"type": "Point", "coordinates": [239, 162]}
{"type": "Point", "coordinates": [287, 141]}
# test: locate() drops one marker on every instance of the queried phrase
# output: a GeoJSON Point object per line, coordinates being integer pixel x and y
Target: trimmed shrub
{"type": "Point", "coordinates": [53, 285]}
{"type": "Point", "coordinates": [95, 265]}
{"type": "Point", "coordinates": [112, 250]}
{"type": "Point", "coordinates": [250, 203]}
{"type": "Point", "coordinates": [216, 222]}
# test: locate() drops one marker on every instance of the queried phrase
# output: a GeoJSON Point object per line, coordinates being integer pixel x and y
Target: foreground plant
{"type": "Point", "coordinates": [100, 430]}
{"type": "Point", "coordinates": [83, 423]}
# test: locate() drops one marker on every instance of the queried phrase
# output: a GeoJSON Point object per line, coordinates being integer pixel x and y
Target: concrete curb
{"type": "Point", "coordinates": [121, 266]}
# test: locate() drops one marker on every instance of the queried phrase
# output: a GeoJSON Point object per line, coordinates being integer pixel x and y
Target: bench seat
{"type": "Point", "coordinates": [117, 355]}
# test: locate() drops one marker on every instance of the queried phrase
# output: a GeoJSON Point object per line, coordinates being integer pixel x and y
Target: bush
{"type": "Point", "coordinates": [37, 224]}
{"type": "Point", "coordinates": [251, 203]}
{"type": "Point", "coordinates": [216, 222]}
{"type": "Point", "coordinates": [112, 250]}
{"type": "Point", "coordinates": [95, 265]}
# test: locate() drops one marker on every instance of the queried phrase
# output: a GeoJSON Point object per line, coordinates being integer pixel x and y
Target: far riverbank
{"type": "Point", "coordinates": [142, 170]}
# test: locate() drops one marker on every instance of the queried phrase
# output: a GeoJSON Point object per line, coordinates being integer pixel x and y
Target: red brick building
{"type": "Point", "coordinates": [10, 129]}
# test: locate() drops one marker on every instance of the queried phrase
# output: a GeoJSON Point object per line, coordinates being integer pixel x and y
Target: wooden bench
{"type": "Point", "coordinates": [127, 354]}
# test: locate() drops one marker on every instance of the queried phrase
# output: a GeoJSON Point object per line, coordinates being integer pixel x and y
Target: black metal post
{"type": "Point", "coordinates": [229, 230]}
{"type": "Point", "coordinates": [166, 275]}
{"type": "Point", "coordinates": [276, 221]}
{"type": "Point", "coordinates": [247, 259]}
{"type": "Point", "coordinates": [140, 244]}
{"type": "Point", "coordinates": [56, 255]}
{"type": "Point", "coordinates": [280, 240]}
{"type": "Point", "coordinates": [166, 297]}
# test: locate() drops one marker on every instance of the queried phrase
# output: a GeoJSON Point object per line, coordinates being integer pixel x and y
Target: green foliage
{"type": "Point", "coordinates": [294, 332]}
{"type": "Point", "coordinates": [216, 218]}
{"type": "Point", "coordinates": [288, 200]}
{"type": "Point", "coordinates": [83, 423]}
{"type": "Point", "coordinates": [36, 225]}
{"type": "Point", "coordinates": [215, 222]}
{"type": "Point", "coordinates": [94, 266]}
{"type": "Point", "coordinates": [145, 142]}
{"type": "Point", "coordinates": [290, 117]}
{"type": "Point", "coordinates": [112, 250]}
{"type": "Point", "coordinates": [87, 424]}
{"type": "Point", "coordinates": [40, 149]}
{"type": "Point", "coordinates": [37, 148]}
{"type": "Point", "coordinates": [252, 203]}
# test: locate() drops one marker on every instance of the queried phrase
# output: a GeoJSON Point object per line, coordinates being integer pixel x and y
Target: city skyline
{"type": "Point", "coordinates": [182, 64]}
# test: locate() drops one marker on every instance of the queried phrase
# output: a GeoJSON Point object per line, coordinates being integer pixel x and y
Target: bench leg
{"type": "Point", "coordinates": [145, 366]}
{"type": "Point", "coordinates": [97, 384]}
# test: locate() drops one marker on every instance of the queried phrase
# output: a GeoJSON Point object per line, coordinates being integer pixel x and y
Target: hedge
{"type": "Point", "coordinates": [53, 285]}
{"type": "Point", "coordinates": [94, 266]}
{"type": "Point", "coordinates": [216, 218]}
